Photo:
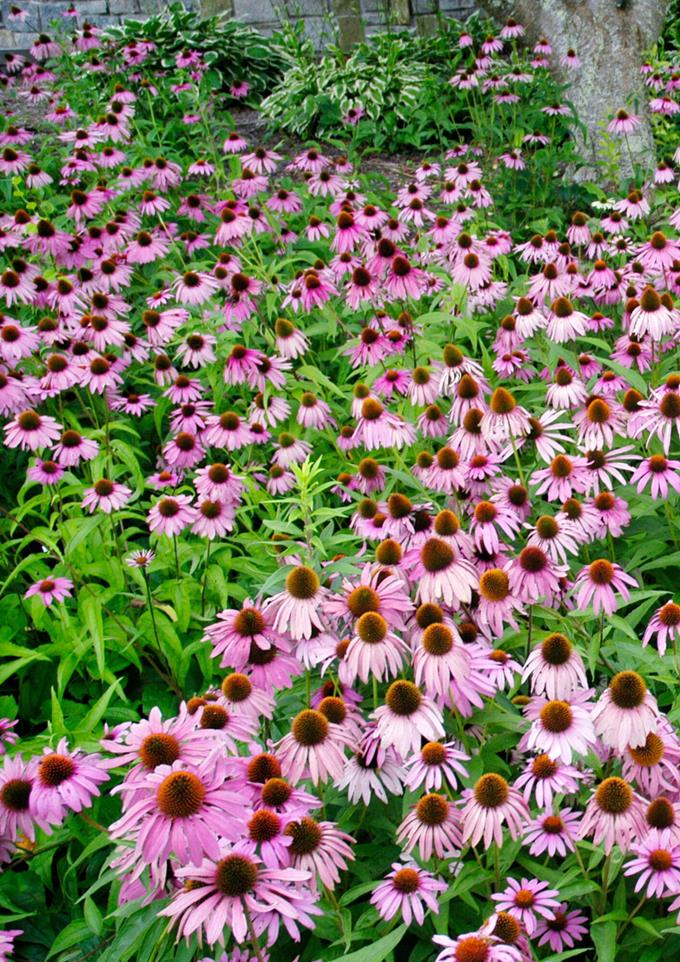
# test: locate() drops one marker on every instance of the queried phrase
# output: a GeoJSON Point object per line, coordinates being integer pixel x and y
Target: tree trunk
{"type": "Point", "coordinates": [610, 37]}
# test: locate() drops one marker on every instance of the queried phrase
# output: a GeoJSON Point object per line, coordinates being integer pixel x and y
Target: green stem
{"type": "Point", "coordinates": [205, 577]}
{"type": "Point", "coordinates": [251, 932]}
{"type": "Point", "coordinates": [517, 461]}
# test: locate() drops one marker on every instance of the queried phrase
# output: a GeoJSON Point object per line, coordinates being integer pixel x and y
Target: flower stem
{"type": "Point", "coordinates": [251, 932]}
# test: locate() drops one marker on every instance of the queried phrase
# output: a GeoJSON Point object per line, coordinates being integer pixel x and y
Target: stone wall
{"type": "Point", "coordinates": [325, 20]}
{"type": "Point", "coordinates": [41, 13]}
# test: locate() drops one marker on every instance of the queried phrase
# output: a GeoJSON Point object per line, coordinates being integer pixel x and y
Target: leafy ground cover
{"type": "Point", "coordinates": [339, 604]}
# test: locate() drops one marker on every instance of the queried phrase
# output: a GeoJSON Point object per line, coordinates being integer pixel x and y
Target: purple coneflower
{"type": "Point", "coordinates": [404, 891]}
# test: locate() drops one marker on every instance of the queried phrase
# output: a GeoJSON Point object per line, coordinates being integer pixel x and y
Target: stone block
{"type": "Point", "coordinates": [210, 8]}
{"type": "Point", "coordinates": [424, 6]}
{"type": "Point", "coordinates": [123, 8]}
{"type": "Point", "coordinates": [255, 11]}
{"type": "Point", "coordinates": [426, 24]}
{"type": "Point", "coordinates": [89, 9]}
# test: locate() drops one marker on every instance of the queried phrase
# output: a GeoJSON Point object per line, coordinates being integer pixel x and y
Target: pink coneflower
{"type": "Point", "coordinates": [546, 777]}
{"type": "Point", "coordinates": [66, 781]}
{"type": "Point", "coordinates": [525, 900]}
{"type": "Point", "coordinates": [17, 778]}
{"type": "Point", "coordinates": [533, 575]}
{"type": "Point", "coordinates": [74, 448]}
{"type": "Point", "coordinates": [614, 815]}
{"type": "Point", "coordinates": [31, 431]}
{"type": "Point", "coordinates": [153, 741]}
{"type": "Point", "coordinates": [597, 584]}
{"type": "Point", "coordinates": [169, 516]}
{"type": "Point", "coordinates": [433, 824]}
{"type": "Point", "coordinates": [564, 930]}
{"type": "Point", "coordinates": [657, 866]}
{"type": "Point", "coordinates": [223, 889]}
{"type": "Point", "coordinates": [661, 471]}
{"type": "Point", "coordinates": [496, 603]}
{"type": "Point", "coordinates": [51, 589]}
{"type": "Point", "coordinates": [626, 713]}
{"type": "Point", "coordinates": [442, 665]}
{"type": "Point", "coordinates": [194, 287]}
{"type": "Point", "coordinates": [652, 316]}
{"type": "Point", "coordinates": [665, 624]}
{"type": "Point", "coordinates": [554, 834]}
{"type": "Point", "coordinates": [238, 632]}
{"type": "Point", "coordinates": [560, 728]}
{"type": "Point", "coordinates": [488, 805]}
{"type": "Point", "coordinates": [488, 517]}
{"type": "Point", "coordinates": [441, 573]}
{"type": "Point", "coordinates": [214, 519]}
{"type": "Point", "coordinates": [555, 668]}
{"type": "Point", "coordinates": [296, 609]}
{"type": "Point", "coordinates": [504, 419]}
{"type": "Point", "coordinates": [313, 748]}
{"type": "Point", "coordinates": [182, 810]}
{"type": "Point", "coordinates": [623, 123]}
{"type": "Point", "coordinates": [319, 848]}
{"type": "Point", "coordinates": [404, 891]}
{"type": "Point", "coordinates": [406, 716]}
{"type": "Point", "coordinates": [475, 947]}
{"type": "Point", "coordinates": [106, 496]}
{"type": "Point", "coordinates": [374, 650]}
{"type": "Point", "coordinates": [435, 765]}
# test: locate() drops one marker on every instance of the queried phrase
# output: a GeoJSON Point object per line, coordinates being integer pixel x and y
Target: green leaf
{"type": "Point", "coordinates": [93, 917]}
{"type": "Point", "coordinates": [377, 951]}
{"type": "Point", "coordinates": [603, 935]}
{"type": "Point", "coordinates": [75, 932]}
{"type": "Point", "coordinates": [92, 618]}
{"type": "Point", "coordinates": [640, 922]}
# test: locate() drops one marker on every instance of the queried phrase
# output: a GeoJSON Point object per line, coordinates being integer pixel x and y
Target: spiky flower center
{"type": "Point", "coordinates": [302, 583]}
{"type": "Point", "coordinates": [362, 600]}
{"type": "Point", "coordinates": [263, 767]}
{"type": "Point", "coordinates": [436, 555]}
{"type": "Point", "coordinates": [389, 552]}
{"type": "Point", "coordinates": [508, 928]}
{"type": "Point", "coordinates": [15, 794]}
{"type": "Point", "coordinates": [614, 796]}
{"type": "Point", "coordinates": [371, 628]}
{"type": "Point", "coordinates": [494, 585]}
{"type": "Point", "coordinates": [403, 698]}
{"type": "Point", "coordinates": [306, 835]}
{"type": "Point", "coordinates": [237, 687]}
{"type": "Point", "coordinates": [406, 880]}
{"type": "Point", "coordinates": [310, 728]}
{"type": "Point", "coordinates": [264, 825]}
{"type": "Point", "coordinates": [276, 792]}
{"type": "Point", "coordinates": [437, 640]}
{"type": "Point", "coordinates": [556, 649]}
{"type": "Point", "coordinates": [235, 876]}
{"type": "Point", "coordinates": [55, 769]}
{"type": "Point", "coordinates": [601, 572]}
{"type": "Point", "coordinates": [432, 809]}
{"type": "Point", "coordinates": [433, 753]}
{"type": "Point", "coordinates": [159, 749]}
{"type": "Point", "coordinates": [180, 795]}
{"type": "Point", "coordinates": [491, 790]}
{"type": "Point", "coordinates": [627, 689]}
{"type": "Point", "coordinates": [543, 766]}
{"type": "Point", "coordinates": [556, 716]}
{"type": "Point", "coordinates": [249, 622]}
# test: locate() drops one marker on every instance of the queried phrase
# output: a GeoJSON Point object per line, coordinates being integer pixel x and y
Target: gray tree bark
{"type": "Point", "coordinates": [610, 37]}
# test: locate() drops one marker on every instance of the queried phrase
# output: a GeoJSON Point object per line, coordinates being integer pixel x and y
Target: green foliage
{"type": "Point", "coordinates": [235, 51]}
